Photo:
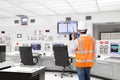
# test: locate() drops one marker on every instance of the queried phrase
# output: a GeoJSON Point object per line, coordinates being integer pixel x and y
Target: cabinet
{"type": "Point", "coordinates": [105, 69]}
{"type": "Point", "coordinates": [46, 61]}
{"type": "Point", "coordinates": [118, 71]}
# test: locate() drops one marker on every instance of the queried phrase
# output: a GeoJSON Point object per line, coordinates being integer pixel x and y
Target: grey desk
{"type": "Point", "coordinates": [23, 73]}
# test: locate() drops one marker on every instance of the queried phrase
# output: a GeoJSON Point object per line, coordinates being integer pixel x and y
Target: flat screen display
{"type": "Point", "coordinates": [36, 46]}
{"type": "Point", "coordinates": [62, 27]}
{"type": "Point", "coordinates": [24, 21]}
{"type": "Point", "coordinates": [67, 27]}
{"type": "Point", "coordinates": [72, 27]}
{"type": "Point", "coordinates": [115, 48]}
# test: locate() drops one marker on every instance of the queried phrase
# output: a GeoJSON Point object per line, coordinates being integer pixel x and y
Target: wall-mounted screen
{"type": "Point", "coordinates": [24, 21]}
{"type": "Point", "coordinates": [72, 27]}
{"type": "Point", "coordinates": [115, 48]}
{"type": "Point", "coordinates": [66, 27]}
{"type": "Point", "coordinates": [62, 27]}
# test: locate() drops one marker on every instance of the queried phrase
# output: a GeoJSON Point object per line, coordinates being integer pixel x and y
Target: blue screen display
{"type": "Point", "coordinates": [115, 48]}
{"type": "Point", "coordinates": [36, 46]}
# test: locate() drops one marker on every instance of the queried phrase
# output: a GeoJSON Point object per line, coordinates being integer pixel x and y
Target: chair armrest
{"type": "Point", "coordinates": [71, 60]}
{"type": "Point", "coordinates": [35, 59]}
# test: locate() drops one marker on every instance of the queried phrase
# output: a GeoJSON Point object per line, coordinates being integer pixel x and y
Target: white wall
{"type": "Point", "coordinates": [50, 22]}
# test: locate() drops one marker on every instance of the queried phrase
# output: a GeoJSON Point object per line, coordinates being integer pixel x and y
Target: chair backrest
{"type": "Point", "coordinates": [2, 53]}
{"type": "Point", "coordinates": [61, 55]}
{"type": "Point", "coordinates": [26, 55]}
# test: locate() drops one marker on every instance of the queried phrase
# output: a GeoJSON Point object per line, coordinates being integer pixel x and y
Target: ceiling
{"type": "Point", "coordinates": [11, 8]}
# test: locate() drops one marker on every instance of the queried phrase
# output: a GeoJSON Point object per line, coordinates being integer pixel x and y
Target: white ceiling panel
{"type": "Point", "coordinates": [19, 1]}
{"type": "Point", "coordinates": [20, 11]}
{"type": "Point", "coordinates": [10, 8]}
{"type": "Point", "coordinates": [4, 4]}
{"type": "Point", "coordinates": [84, 5]}
{"type": "Point", "coordinates": [108, 5]}
{"type": "Point", "coordinates": [113, 8]}
{"type": "Point", "coordinates": [43, 12]}
{"type": "Point", "coordinates": [108, 1]}
{"type": "Point", "coordinates": [57, 6]}
{"type": "Point", "coordinates": [6, 14]}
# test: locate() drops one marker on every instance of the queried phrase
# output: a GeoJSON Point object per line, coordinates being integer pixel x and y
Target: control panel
{"type": "Point", "coordinates": [103, 47]}
{"type": "Point", "coordinates": [108, 47]}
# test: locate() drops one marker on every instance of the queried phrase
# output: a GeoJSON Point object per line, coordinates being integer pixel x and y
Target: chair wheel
{"type": "Point", "coordinates": [61, 76]}
{"type": "Point", "coordinates": [71, 75]}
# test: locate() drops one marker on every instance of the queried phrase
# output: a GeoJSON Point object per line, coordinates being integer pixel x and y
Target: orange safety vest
{"type": "Point", "coordinates": [85, 52]}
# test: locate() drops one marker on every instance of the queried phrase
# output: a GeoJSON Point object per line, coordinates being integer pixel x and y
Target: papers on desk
{"type": "Point", "coordinates": [25, 69]}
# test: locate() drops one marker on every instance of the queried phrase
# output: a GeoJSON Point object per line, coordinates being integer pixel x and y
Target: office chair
{"type": "Point", "coordinates": [2, 53]}
{"type": "Point", "coordinates": [62, 58]}
{"type": "Point", "coordinates": [26, 56]}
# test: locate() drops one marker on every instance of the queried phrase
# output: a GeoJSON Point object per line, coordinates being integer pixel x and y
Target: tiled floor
{"type": "Point", "coordinates": [51, 76]}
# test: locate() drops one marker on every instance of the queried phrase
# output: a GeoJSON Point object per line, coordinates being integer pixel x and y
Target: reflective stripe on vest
{"type": "Point", "coordinates": [84, 60]}
{"type": "Point", "coordinates": [85, 52]}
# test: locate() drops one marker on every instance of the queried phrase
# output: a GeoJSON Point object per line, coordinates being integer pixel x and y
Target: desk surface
{"type": "Point", "coordinates": [6, 64]}
{"type": "Point", "coordinates": [24, 69]}
{"type": "Point", "coordinates": [23, 73]}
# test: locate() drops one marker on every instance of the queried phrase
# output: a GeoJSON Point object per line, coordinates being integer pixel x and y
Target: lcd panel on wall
{"type": "Point", "coordinates": [67, 27]}
{"type": "Point", "coordinates": [24, 20]}
{"type": "Point", "coordinates": [62, 27]}
{"type": "Point", "coordinates": [72, 27]}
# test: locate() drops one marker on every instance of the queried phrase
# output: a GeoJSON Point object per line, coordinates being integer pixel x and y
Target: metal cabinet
{"type": "Point", "coordinates": [105, 69]}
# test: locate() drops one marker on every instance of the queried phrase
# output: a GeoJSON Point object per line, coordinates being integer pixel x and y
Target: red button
{"type": "Point", "coordinates": [106, 42]}
{"type": "Point", "coordinates": [101, 42]}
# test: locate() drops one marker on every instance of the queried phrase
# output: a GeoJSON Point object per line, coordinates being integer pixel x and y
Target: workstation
{"type": "Point", "coordinates": [33, 31]}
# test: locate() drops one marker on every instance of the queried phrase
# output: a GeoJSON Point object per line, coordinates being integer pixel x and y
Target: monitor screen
{"type": "Point", "coordinates": [24, 21]}
{"type": "Point", "coordinates": [62, 27]}
{"type": "Point", "coordinates": [67, 27]}
{"type": "Point", "coordinates": [36, 46]}
{"type": "Point", "coordinates": [72, 27]}
{"type": "Point", "coordinates": [115, 48]}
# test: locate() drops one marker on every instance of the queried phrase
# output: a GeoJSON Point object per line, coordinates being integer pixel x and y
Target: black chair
{"type": "Point", "coordinates": [2, 53]}
{"type": "Point", "coordinates": [62, 58]}
{"type": "Point", "coordinates": [26, 56]}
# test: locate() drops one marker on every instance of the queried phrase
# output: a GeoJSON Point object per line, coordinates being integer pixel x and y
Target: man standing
{"type": "Point", "coordinates": [84, 48]}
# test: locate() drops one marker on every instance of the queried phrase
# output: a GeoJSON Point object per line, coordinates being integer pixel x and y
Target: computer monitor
{"type": "Point", "coordinates": [36, 47]}
{"type": "Point", "coordinates": [115, 48]}
{"type": "Point", "coordinates": [67, 27]}
{"type": "Point", "coordinates": [24, 20]}
{"type": "Point", "coordinates": [72, 27]}
{"type": "Point", "coordinates": [62, 27]}
{"type": "Point", "coordinates": [26, 55]}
